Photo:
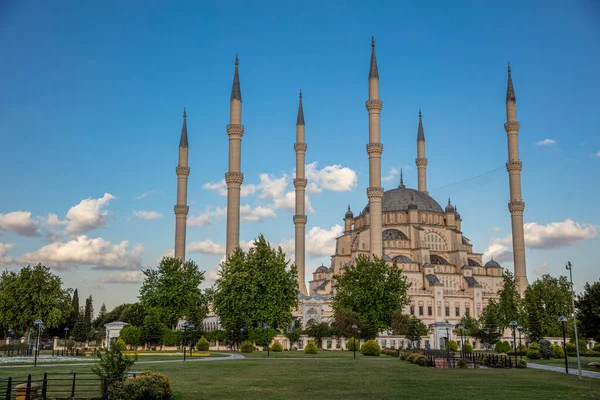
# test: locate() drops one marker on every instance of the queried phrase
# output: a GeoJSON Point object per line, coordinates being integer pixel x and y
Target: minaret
{"type": "Point", "coordinates": [181, 208]}
{"type": "Point", "coordinates": [516, 205]}
{"type": "Point", "coordinates": [374, 149]}
{"type": "Point", "coordinates": [421, 161]}
{"type": "Point", "coordinates": [300, 186]}
{"type": "Point", "coordinates": [234, 177]}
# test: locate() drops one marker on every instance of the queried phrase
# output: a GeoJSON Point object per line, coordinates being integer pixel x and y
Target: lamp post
{"type": "Point", "coordinates": [520, 328]}
{"type": "Point", "coordinates": [38, 322]}
{"type": "Point", "coordinates": [564, 319]}
{"type": "Point", "coordinates": [183, 330]}
{"type": "Point", "coordinates": [11, 333]}
{"type": "Point", "coordinates": [447, 340]}
{"type": "Point", "coordinates": [358, 331]}
{"type": "Point", "coordinates": [241, 335]}
{"type": "Point", "coordinates": [513, 325]}
{"type": "Point", "coordinates": [354, 338]}
{"type": "Point", "coordinates": [462, 340]}
{"type": "Point", "coordinates": [570, 268]}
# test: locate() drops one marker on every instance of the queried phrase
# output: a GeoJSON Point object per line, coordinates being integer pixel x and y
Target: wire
{"type": "Point", "coordinates": [471, 178]}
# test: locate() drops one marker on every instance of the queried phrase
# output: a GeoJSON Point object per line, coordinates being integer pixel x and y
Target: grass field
{"type": "Point", "coordinates": [336, 375]}
{"type": "Point", "coordinates": [560, 362]}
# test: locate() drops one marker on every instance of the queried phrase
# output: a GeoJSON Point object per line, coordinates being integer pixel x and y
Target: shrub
{"type": "Point", "coordinates": [467, 348]}
{"type": "Point", "coordinates": [311, 348]}
{"type": "Point", "coordinates": [370, 348]}
{"type": "Point", "coordinates": [277, 347]}
{"type": "Point", "coordinates": [545, 349]}
{"type": "Point", "coordinates": [521, 363]}
{"type": "Point", "coordinates": [247, 347]}
{"type": "Point", "coordinates": [113, 364]}
{"type": "Point", "coordinates": [506, 347]}
{"type": "Point", "coordinates": [462, 363]}
{"type": "Point", "coordinates": [498, 347]}
{"type": "Point", "coordinates": [533, 354]}
{"type": "Point", "coordinates": [146, 386]}
{"type": "Point", "coordinates": [352, 344]}
{"type": "Point", "coordinates": [202, 344]}
{"type": "Point", "coordinates": [596, 347]}
{"type": "Point", "coordinates": [390, 352]}
{"type": "Point", "coordinates": [557, 351]}
{"type": "Point", "coordinates": [571, 349]}
{"type": "Point", "coordinates": [420, 360]}
{"type": "Point", "coordinates": [411, 358]}
{"type": "Point", "coordinates": [452, 345]}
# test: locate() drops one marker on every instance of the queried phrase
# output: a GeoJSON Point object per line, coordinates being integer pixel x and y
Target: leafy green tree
{"type": "Point", "coordinates": [400, 322]}
{"type": "Point", "coordinates": [490, 323]}
{"type": "Point", "coordinates": [261, 336]}
{"type": "Point", "coordinates": [373, 290]}
{"type": "Point", "coordinates": [510, 303]}
{"type": "Point", "coordinates": [33, 293]}
{"type": "Point", "coordinates": [152, 328]}
{"type": "Point", "coordinates": [343, 320]}
{"type": "Point", "coordinates": [471, 327]}
{"type": "Point", "coordinates": [255, 288]}
{"type": "Point", "coordinates": [546, 299]}
{"type": "Point", "coordinates": [81, 329]}
{"type": "Point", "coordinates": [172, 290]}
{"type": "Point", "coordinates": [293, 335]}
{"type": "Point", "coordinates": [588, 311]}
{"type": "Point", "coordinates": [113, 364]}
{"type": "Point", "coordinates": [89, 311]}
{"type": "Point", "coordinates": [318, 332]}
{"type": "Point", "coordinates": [133, 314]}
{"type": "Point", "coordinates": [99, 321]}
{"type": "Point", "coordinates": [75, 309]}
{"type": "Point", "coordinates": [415, 329]}
{"type": "Point", "coordinates": [132, 335]}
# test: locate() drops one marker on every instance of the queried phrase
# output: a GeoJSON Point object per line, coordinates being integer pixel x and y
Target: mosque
{"type": "Point", "coordinates": [449, 279]}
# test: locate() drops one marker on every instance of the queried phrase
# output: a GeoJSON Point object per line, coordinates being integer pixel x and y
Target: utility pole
{"type": "Point", "coordinates": [570, 268]}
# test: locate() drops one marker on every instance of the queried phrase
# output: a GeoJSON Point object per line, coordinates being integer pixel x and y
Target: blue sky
{"type": "Point", "coordinates": [92, 103]}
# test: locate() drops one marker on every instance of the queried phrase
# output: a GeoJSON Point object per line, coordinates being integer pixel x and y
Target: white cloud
{"type": "Point", "coordinates": [541, 269]}
{"type": "Point", "coordinates": [321, 242]}
{"type": "Point", "coordinates": [332, 177]}
{"type": "Point", "coordinates": [221, 188]}
{"type": "Point", "coordinates": [206, 246]}
{"type": "Point", "coordinates": [496, 229]}
{"type": "Point", "coordinates": [166, 253]}
{"type": "Point", "coordinates": [19, 222]}
{"type": "Point", "coordinates": [199, 220]}
{"type": "Point", "coordinates": [148, 215]}
{"type": "Point", "coordinates": [5, 260]}
{"type": "Point", "coordinates": [247, 214]}
{"type": "Point", "coordinates": [549, 236]}
{"type": "Point", "coordinates": [598, 154]}
{"type": "Point", "coordinates": [391, 175]}
{"type": "Point", "coordinates": [87, 215]}
{"type": "Point", "coordinates": [97, 252]}
{"type": "Point", "coordinates": [123, 277]}
{"type": "Point", "coordinates": [256, 214]}
{"type": "Point", "coordinates": [146, 193]}
{"type": "Point", "coordinates": [546, 142]}
{"type": "Point", "coordinates": [288, 202]}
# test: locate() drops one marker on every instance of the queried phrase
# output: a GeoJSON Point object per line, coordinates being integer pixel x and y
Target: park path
{"type": "Point", "coordinates": [81, 364]}
{"type": "Point", "coordinates": [589, 374]}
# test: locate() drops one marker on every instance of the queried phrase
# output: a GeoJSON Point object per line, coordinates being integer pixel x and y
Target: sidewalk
{"type": "Point", "coordinates": [572, 371]}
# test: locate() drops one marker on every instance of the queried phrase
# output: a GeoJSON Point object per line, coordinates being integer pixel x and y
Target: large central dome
{"type": "Point", "coordinates": [399, 199]}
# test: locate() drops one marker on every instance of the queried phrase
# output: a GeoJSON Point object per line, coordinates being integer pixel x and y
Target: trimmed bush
{"type": "Point", "coordinates": [146, 386]}
{"type": "Point", "coordinates": [521, 363]}
{"type": "Point", "coordinates": [311, 348]}
{"type": "Point", "coordinates": [352, 344]}
{"type": "Point", "coordinates": [420, 360]}
{"type": "Point", "coordinates": [120, 343]}
{"type": "Point", "coordinates": [247, 347]}
{"type": "Point", "coordinates": [596, 347]}
{"type": "Point", "coordinates": [390, 352]}
{"type": "Point", "coordinates": [506, 347]}
{"type": "Point", "coordinates": [452, 345]}
{"type": "Point", "coordinates": [467, 348]}
{"type": "Point", "coordinates": [571, 349]}
{"type": "Point", "coordinates": [545, 349]}
{"type": "Point", "coordinates": [533, 354]}
{"type": "Point", "coordinates": [411, 357]}
{"type": "Point", "coordinates": [277, 347]}
{"type": "Point", "coordinates": [202, 344]}
{"type": "Point", "coordinates": [370, 348]}
{"type": "Point", "coordinates": [498, 347]}
{"type": "Point", "coordinates": [557, 351]}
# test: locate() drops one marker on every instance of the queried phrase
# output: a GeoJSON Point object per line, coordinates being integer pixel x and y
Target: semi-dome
{"type": "Point", "coordinates": [450, 207]}
{"type": "Point", "coordinates": [492, 264]}
{"type": "Point", "coordinates": [322, 268]}
{"type": "Point", "coordinates": [399, 200]}
{"type": "Point", "coordinates": [349, 213]}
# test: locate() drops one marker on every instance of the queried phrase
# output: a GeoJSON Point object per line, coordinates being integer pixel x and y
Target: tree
{"type": "Point", "coordinates": [588, 311]}
{"type": "Point", "coordinates": [75, 309]}
{"type": "Point", "coordinates": [89, 311]}
{"type": "Point", "coordinates": [400, 322]}
{"type": "Point", "coordinates": [99, 321]}
{"type": "Point", "coordinates": [133, 314]}
{"type": "Point", "coordinates": [342, 322]}
{"type": "Point", "coordinates": [152, 328]}
{"type": "Point", "coordinates": [490, 323]}
{"type": "Point", "coordinates": [471, 326]}
{"type": "Point", "coordinates": [172, 290]}
{"type": "Point", "coordinates": [30, 294]}
{"type": "Point", "coordinates": [545, 301]}
{"type": "Point", "coordinates": [415, 329]}
{"type": "Point", "coordinates": [373, 290]}
{"type": "Point", "coordinates": [318, 332]}
{"type": "Point", "coordinates": [255, 288]}
{"type": "Point", "coordinates": [132, 335]}
{"type": "Point", "coordinates": [81, 329]}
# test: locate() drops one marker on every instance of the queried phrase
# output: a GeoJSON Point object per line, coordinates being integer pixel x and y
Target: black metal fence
{"type": "Point", "coordinates": [447, 359]}
{"type": "Point", "coordinates": [56, 386]}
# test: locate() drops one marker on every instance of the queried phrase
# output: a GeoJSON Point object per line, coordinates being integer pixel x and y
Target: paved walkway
{"type": "Point", "coordinates": [81, 364]}
{"type": "Point", "coordinates": [572, 371]}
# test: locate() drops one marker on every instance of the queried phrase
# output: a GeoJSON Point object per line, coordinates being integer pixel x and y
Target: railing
{"type": "Point", "coordinates": [60, 385]}
{"type": "Point", "coordinates": [446, 359]}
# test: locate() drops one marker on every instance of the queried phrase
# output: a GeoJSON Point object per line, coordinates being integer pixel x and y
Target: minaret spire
{"type": "Point", "coordinates": [374, 150]}
{"type": "Point", "coordinates": [401, 180]}
{"type": "Point", "coordinates": [234, 178]}
{"type": "Point", "coordinates": [181, 208]}
{"type": "Point", "coordinates": [421, 160]}
{"type": "Point", "coordinates": [516, 206]}
{"type": "Point", "coordinates": [300, 183]}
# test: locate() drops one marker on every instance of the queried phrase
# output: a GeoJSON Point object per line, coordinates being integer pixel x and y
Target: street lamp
{"type": "Point", "coordinates": [354, 338]}
{"type": "Point", "coordinates": [38, 322]}
{"type": "Point", "coordinates": [11, 333]}
{"type": "Point", "coordinates": [570, 268]}
{"type": "Point", "coordinates": [241, 334]}
{"type": "Point", "coordinates": [191, 326]}
{"type": "Point", "coordinates": [513, 325]}
{"type": "Point", "coordinates": [563, 319]}
{"type": "Point", "coordinates": [184, 330]}
{"type": "Point", "coordinates": [447, 340]}
{"type": "Point", "coordinates": [520, 328]}
{"type": "Point", "coordinates": [462, 339]}
{"type": "Point", "coordinates": [358, 331]}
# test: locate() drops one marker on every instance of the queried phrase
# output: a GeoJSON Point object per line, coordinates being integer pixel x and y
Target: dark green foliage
{"type": "Point", "coordinates": [32, 293]}
{"type": "Point", "coordinates": [202, 344]}
{"type": "Point", "coordinates": [75, 309]}
{"type": "Point", "coordinates": [390, 352]}
{"type": "Point", "coordinates": [596, 347]}
{"type": "Point", "coordinates": [558, 351]}
{"type": "Point", "coordinates": [545, 349]}
{"type": "Point", "coordinates": [113, 364]}
{"type": "Point", "coordinates": [546, 299]}
{"type": "Point", "coordinates": [247, 347]}
{"type": "Point", "coordinates": [81, 329]}
{"type": "Point", "coordinates": [88, 312]}
{"type": "Point", "coordinates": [588, 311]}
{"type": "Point", "coordinates": [133, 314]}
{"type": "Point", "coordinates": [521, 363]}
{"type": "Point", "coordinates": [415, 329]}
{"type": "Point", "coordinates": [462, 363]}
{"type": "Point", "coordinates": [132, 335]}
{"type": "Point", "coordinates": [256, 288]}
{"type": "Point", "coordinates": [400, 322]}
{"type": "Point", "coordinates": [311, 348]}
{"type": "Point", "coordinates": [467, 348]}
{"type": "Point", "coordinates": [170, 338]}
{"type": "Point", "coordinates": [370, 348]}
{"type": "Point", "coordinates": [352, 344]}
{"type": "Point", "coordinates": [219, 335]}
{"type": "Point", "coordinates": [152, 328]}
{"type": "Point", "coordinates": [533, 352]}
{"type": "Point", "coordinates": [277, 347]}
{"type": "Point", "coordinates": [372, 289]}
{"type": "Point", "coordinates": [343, 319]}
{"type": "Point", "coordinates": [293, 335]}
{"type": "Point", "coordinates": [172, 292]}
{"type": "Point", "coordinates": [420, 360]}
{"type": "Point", "coordinates": [490, 323]}
{"type": "Point", "coordinates": [506, 346]}
{"type": "Point", "coordinates": [262, 336]}
{"type": "Point", "coordinates": [510, 303]}
{"type": "Point", "coordinates": [318, 331]}
{"type": "Point", "coordinates": [99, 321]}
{"type": "Point", "coordinates": [471, 327]}
{"type": "Point", "coordinates": [146, 386]}
{"type": "Point", "coordinates": [452, 345]}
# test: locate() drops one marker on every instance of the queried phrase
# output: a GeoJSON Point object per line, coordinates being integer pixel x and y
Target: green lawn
{"type": "Point", "coordinates": [560, 362]}
{"type": "Point", "coordinates": [335, 375]}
